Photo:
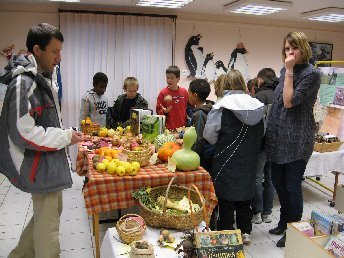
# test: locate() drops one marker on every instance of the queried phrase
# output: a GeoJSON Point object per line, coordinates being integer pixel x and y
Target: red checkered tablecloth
{"type": "Point", "coordinates": [104, 192]}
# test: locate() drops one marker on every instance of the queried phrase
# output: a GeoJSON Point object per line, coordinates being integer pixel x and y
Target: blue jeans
{"type": "Point", "coordinates": [264, 195]}
{"type": "Point", "coordinates": [287, 179]}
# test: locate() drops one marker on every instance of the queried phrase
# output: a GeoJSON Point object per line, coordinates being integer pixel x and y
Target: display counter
{"type": "Point", "coordinates": [104, 192]}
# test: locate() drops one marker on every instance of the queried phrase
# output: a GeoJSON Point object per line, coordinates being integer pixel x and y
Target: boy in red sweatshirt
{"type": "Point", "coordinates": [172, 100]}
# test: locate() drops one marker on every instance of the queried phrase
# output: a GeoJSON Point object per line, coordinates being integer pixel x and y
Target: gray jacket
{"type": "Point", "coordinates": [33, 142]}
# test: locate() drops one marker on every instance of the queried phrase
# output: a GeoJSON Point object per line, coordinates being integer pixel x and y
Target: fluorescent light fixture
{"type": "Point", "coordinates": [164, 3]}
{"type": "Point", "coordinates": [68, 1]}
{"type": "Point", "coordinates": [330, 14]}
{"type": "Point", "coordinates": [257, 7]}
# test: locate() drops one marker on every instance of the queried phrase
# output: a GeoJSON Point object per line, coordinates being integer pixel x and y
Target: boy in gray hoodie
{"type": "Point", "coordinates": [94, 103]}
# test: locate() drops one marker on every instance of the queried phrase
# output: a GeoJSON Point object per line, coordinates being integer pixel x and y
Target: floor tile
{"type": "Point", "coordinates": [84, 253]}
{"type": "Point", "coordinates": [7, 246]}
{"type": "Point", "coordinates": [75, 241]}
{"type": "Point", "coordinates": [269, 250]}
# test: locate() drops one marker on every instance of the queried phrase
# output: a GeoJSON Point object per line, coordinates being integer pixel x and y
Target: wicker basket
{"type": "Point", "coordinates": [166, 220]}
{"type": "Point", "coordinates": [130, 227]}
{"type": "Point", "coordinates": [327, 147]}
{"type": "Point", "coordinates": [90, 129]}
{"type": "Point", "coordinates": [140, 156]}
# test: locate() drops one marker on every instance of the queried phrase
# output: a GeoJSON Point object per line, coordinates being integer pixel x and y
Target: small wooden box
{"type": "Point", "coordinates": [327, 147]}
{"type": "Point", "coordinates": [298, 245]}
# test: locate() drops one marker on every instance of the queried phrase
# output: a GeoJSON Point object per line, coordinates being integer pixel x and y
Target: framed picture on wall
{"type": "Point", "coordinates": [321, 52]}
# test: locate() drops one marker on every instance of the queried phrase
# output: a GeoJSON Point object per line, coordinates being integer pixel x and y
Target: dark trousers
{"type": "Point", "coordinates": [287, 179]}
{"type": "Point", "coordinates": [243, 215]}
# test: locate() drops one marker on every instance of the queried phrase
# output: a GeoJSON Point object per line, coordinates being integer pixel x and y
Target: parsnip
{"type": "Point", "coordinates": [169, 204]}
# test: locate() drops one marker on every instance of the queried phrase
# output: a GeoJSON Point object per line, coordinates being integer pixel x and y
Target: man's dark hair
{"type": "Point", "coordinates": [99, 77]}
{"type": "Point", "coordinates": [41, 35]}
{"type": "Point", "coordinates": [173, 69]}
{"type": "Point", "coordinates": [266, 74]}
{"type": "Point", "coordinates": [201, 87]}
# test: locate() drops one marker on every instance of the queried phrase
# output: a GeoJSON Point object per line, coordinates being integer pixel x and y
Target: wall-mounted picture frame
{"type": "Point", "coordinates": [321, 52]}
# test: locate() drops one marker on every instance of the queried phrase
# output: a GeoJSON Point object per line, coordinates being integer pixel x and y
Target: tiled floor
{"type": "Point", "coordinates": [75, 230]}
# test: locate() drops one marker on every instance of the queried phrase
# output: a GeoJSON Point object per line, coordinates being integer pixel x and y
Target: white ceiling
{"type": "Point", "coordinates": [211, 7]}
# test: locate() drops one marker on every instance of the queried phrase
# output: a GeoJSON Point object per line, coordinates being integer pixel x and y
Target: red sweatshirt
{"type": "Point", "coordinates": [177, 116]}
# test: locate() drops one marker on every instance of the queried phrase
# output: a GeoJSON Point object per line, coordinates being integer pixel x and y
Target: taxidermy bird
{"type": "Point", "coordinates": [238, 60]}
{"type": "Point", "coordinates": [193, 54]}
{"type": "Point", "coordinates": [208, 70]}
{"type": "Point", "coordinates": [219, 69]}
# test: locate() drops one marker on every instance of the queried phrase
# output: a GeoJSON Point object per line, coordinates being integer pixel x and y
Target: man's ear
{"type": "Point", "coordinates": [36, 50]}
{"type": "Point", "coordinates": [260, 81]}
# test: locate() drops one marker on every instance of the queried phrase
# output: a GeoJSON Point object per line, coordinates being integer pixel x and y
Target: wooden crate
{"type": "Point", "coordinates": [327, 147]}
{"type": "Point", "coordinates": [298, 245]}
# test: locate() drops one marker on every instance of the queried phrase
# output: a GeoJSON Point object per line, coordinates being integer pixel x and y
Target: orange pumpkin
{"type": "Point", "coordinates": [167, 150]}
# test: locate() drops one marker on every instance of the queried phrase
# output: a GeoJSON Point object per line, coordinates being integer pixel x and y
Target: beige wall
{"type": "Point", "coordinates": [14, 27]}
{"type": "Point", "coordinates": [262, 41]}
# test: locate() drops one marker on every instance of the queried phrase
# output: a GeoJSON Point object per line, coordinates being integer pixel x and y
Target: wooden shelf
{"type": "Point", "coordinates": [298, 245]}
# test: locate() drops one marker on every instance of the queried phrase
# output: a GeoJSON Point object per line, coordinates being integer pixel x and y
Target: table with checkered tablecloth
{"type": "Point", "coordinates": [104, 192]}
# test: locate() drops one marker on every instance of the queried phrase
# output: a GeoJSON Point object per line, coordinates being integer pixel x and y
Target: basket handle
{"type": "Point", "coordinates": [204, 208]}
{"type": "Point", "coordinates": [166, 194]}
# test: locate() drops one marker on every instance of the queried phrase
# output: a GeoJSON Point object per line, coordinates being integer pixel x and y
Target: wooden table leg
{"type": "Point", "coordinates": [96, 233]}
{"type": "Point", "coordinates": [335, 184]}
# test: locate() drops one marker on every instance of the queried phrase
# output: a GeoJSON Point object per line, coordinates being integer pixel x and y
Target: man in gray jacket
{"type": "Point", "coordinates": [34, 142]}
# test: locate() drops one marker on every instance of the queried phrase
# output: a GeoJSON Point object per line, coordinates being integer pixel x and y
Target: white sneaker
{"type": "Point", "coordinates": [267, 218]}
{"type": "Point", "coordinates": [257, 218]}
{"type": "Point", "coordinates": [246, 239]}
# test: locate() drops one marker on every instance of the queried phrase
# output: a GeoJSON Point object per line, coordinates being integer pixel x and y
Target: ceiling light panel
{"type": "Point", "coordinates": [257, 7]}
{"type": "Point", "coordinates": [68, 1]}
{"type": "Point", "coordinates": [330, 14]}
{"type": "Point", "coordinates": [164, 3]}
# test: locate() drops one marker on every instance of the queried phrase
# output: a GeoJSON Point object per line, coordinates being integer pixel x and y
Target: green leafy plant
{"type": "Point", "coordinates": [143, 195]}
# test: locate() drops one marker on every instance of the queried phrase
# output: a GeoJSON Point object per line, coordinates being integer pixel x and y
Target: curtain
{"type": "Point", "coordinates": [119, 46]}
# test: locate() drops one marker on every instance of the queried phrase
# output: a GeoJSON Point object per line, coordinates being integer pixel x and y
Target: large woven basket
{"type": "Point", "coordinates": [140, 156]}
{"type": "Point", "coordinates": [165, 219]}
{"type": "Point", "coordinates": [130, 228]}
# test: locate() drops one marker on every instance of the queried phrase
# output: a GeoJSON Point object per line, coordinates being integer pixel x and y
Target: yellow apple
{"type": "Point", "coordinates": [120, 170]}
{"type": "Point", "coordinates": [134, 171]}
{"type": "Point", "coordinates": [136, 164]}
{"type": "Point", "coordinates": [128, 167]}
{"type": "Point", "coordinates": [101, 167]}
{"type": "Point", "coordinates": [105, 162]}
{"type": "Point", "coordinates": [111, 132]}
{"type": "Point", "coordinates": [83, 121]}
{"type": "Point", "coordinates": [111, 168]}
{"type": "Point", "coordinates": [120, 129]}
